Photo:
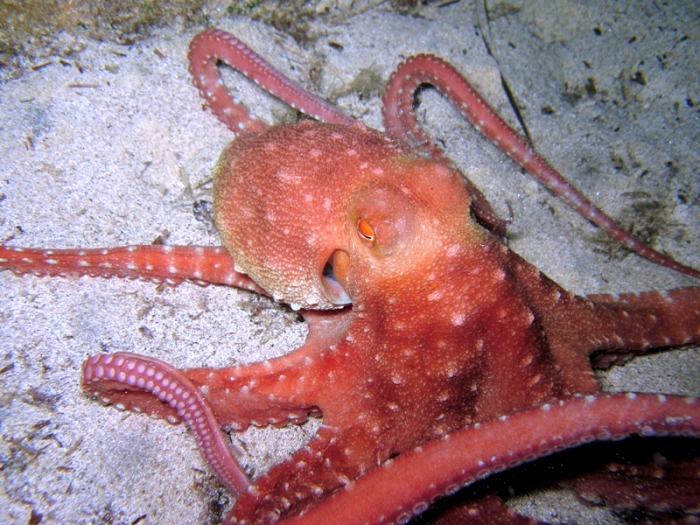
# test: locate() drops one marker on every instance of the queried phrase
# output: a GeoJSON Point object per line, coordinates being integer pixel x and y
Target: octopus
{"type": "Point", "coordinates": [436, 355]}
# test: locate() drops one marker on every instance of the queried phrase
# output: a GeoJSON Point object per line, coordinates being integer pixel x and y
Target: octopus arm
{"type": "Point", "coordinates": [605, 328]}
{"type": "Point", "coordinates": [658, 488]}
{"type": "Point", "coordinates": [273, 392]}
{"type": "Point", "coordinates": [327, 464]}
{"type": "Point", "coordinates": [212, 45]}
{"type": "Point", "coordinates": [634, 323]}
{"type": "Point", "coordinates": [281, 390]}
{"type": "Point", "coordinates": [122, 372]}
{"type": "Point", "coordinates": [161, 264]}
{"type": "Point", "coordinates": [262, 393]}
{"type": "Point", "coordinates": [409, 484]}
{"type": "Point", "coordinates": [400, 121]}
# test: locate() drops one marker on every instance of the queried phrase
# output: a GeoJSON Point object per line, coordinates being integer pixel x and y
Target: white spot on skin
{"type": "Point", "coordinates": [529, 318]}
{"type": "Point", "coordinates": [535, 380]}
{"type": "Point", "coordinates": [436, 295]}
{"type": "Point", "coordinates": [458, 319]}
{"type": "Point", "coordinates": [397, 379]}
{"type": "Point", "coordinates": [442, 397]}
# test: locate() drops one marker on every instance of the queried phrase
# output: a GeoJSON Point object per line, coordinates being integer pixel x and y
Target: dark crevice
{"type": "Point", "coordinates": [516, 110]}
{"type": "Point", "coordinates": [484, 27]}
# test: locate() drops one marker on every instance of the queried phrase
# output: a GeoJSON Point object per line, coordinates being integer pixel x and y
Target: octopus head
{"type": "Point", "coordinates": [319, 215]}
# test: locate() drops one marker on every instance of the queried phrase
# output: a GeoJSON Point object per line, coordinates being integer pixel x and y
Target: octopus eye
{"type": "Point", "coordinates": [366, 232]}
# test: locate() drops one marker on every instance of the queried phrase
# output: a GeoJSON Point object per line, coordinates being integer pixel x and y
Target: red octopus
{"type": "Point", "coordinates": [431, 346]}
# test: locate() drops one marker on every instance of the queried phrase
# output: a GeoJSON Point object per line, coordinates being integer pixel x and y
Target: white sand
{"type": "Point", "coordinates": [110, 148]}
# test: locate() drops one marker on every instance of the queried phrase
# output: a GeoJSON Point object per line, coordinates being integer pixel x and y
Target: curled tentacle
{"type": "Point", "coordinates": [400, 121]}
{"type": "Point", "coordinates": [212, 45]}
{"type": "Point", "coordinates": [170, 386]}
